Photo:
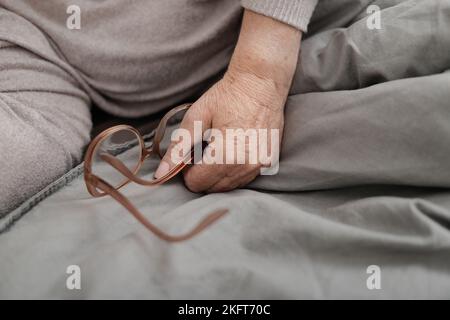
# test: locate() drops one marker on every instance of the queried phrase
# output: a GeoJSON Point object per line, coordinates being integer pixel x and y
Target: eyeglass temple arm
{"type": "Point", "coordinates": [202, 225]}
{"type": "Point", "coordinates": [122, 168]}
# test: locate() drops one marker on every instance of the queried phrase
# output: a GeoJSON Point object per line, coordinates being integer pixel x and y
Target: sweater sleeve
{"type": "Point", "coordinates": [296, 13]}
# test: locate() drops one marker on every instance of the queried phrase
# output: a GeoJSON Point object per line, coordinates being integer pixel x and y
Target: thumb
{"type": "Point", "coordinates": [197, 117]}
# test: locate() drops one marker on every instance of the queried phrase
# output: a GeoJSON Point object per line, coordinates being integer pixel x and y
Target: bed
{"type": "Point", "coordinates": [360, 208]}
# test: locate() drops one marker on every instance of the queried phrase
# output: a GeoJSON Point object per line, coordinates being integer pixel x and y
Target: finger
{"type": "Point", "coordinates": [178, 149]}
{"type": "Point", "coordinates": [201, 176]}
{"type": "Point", "coordinates": [209, 171]}
{"type": "Point", "coordinates": [235, 181]}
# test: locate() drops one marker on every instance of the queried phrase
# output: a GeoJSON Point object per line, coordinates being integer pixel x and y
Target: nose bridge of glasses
{"type": "Point", "coordinates": [147, 152]}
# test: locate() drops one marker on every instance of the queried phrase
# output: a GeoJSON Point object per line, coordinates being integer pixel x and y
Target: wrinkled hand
{"type": "Point", "coordinates": [238, 101]}
{"type": "Point", "coordinates": [251, 95]}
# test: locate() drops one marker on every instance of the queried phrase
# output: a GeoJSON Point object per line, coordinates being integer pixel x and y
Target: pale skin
{"type": "Point", "coordinates": [251, 95]}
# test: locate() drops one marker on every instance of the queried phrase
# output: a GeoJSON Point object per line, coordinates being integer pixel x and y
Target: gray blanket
{"type": "Point", "coordinates": [362, 193]}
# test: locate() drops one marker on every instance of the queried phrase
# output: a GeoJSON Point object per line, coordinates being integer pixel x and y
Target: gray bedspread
{"type": "Point", "coordinates": [364, 181]}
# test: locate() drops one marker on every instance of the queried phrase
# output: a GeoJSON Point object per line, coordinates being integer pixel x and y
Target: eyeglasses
{"type": "Point", "coordinates": [114, 159]}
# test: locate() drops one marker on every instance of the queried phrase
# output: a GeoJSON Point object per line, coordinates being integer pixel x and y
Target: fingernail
{"type": "Point", "coordinates": [162, 170]}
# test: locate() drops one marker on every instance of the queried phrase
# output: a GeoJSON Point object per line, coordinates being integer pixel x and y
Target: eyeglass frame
{"type": "Point", "coordinates": [94, 182]}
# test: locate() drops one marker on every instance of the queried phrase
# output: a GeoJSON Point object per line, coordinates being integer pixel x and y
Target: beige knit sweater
{"type": "Point", "coordinates": [138, 57]}
{"type": "Point", "coordinates": [297, 13]}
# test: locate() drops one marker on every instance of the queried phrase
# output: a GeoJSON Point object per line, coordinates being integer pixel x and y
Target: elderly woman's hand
{"type": "Point", "coordinates": [251, 95]}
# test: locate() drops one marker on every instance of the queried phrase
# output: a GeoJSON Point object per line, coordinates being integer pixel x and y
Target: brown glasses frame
{"type": "Point", "coordinates": [98, 187]}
